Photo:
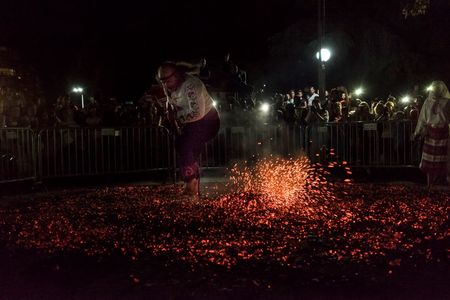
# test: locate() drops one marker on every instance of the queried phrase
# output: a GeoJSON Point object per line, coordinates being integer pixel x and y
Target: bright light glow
{"type": "Point", "coordinates": [325, 53]}
{"type": "Point", "coordinates": [359, 91]}
{"type": "Point", "coordinates": [77, 90]}
{"type": "Point", "coordinates": [264, 107]}
{"type": "Point", "coordinates": [214, 103]}
{"type": "Point", "coordinates": [406, 99]}
{"type": "Point", "coordinates": [429, 88]}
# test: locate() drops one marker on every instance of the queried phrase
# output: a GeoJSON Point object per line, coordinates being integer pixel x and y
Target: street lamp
{"type": "Point", "coordinates": [265, 107]}
{"type": "Point", "coordinates": [359, 91]}
{"type": "Point", "coordinates": [322, 56]}
{"type": "Point", "coordinates": [79, 90]}
{"type": "Point", "coordinates": [406, 99]}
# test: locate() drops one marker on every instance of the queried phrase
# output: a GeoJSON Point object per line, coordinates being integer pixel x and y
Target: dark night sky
{"type": "Point", "coordinates": [115, 46]}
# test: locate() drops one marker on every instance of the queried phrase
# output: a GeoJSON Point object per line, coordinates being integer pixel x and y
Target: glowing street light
{"type": "Point", "coordinates": [429, 88]}
{"type": "Point", "coordinates": [324, 54]}
{"type": "Point", "coordinates": [405, 99]}
{"type": "Point", "coordinates": [265, 107]}
{"type": "Point", "coordinates": [79, 90]}
{"type": "Point", "coordinates": [359, 91]}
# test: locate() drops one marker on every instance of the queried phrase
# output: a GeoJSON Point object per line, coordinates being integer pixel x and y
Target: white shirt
{"type": "Point", "coordinates": [427, 117]}
{"type": "Point", "coordinates": [311, 98]}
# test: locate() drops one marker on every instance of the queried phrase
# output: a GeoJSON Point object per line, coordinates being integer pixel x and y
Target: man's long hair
{"type": "Point", "coordinates": [182, 67]}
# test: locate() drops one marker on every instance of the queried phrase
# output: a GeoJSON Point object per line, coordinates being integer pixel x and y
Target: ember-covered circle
{"type": "Point", "coordinates": [269, 217]}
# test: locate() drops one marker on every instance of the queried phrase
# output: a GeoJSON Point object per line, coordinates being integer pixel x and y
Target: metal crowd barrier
{"type": "Point", "coordinates": [367, 144]}
{"type": "Point", "coordinates": [62, 152]}
{"type": "Point", "coordinates": [17, 154]}
{"type": "Point", "coordinates": [98, 151]}
{"type": "Point", "coordinates": [359, 144]}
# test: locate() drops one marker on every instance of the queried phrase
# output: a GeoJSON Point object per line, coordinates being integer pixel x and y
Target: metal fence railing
{"type": "Point", "coordinates": [61, 152]}
{"type": "Point", "coordinates": [17, 154]}
{"type": "Point", "coordinates": [98, 151]}
{"type": "Point", "coordinates": [359, 144]}
{"type": "Point", "coordinates": [368, 144]}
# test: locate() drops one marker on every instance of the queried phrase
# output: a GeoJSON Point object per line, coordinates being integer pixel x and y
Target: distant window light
{"type": "Point", "coordinates": [7, 72]}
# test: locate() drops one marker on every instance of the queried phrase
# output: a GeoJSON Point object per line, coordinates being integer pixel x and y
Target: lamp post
{"type": "Point", "coordinates": [80, 91]}
{"type": "Point", "coordinates": [323, 54]}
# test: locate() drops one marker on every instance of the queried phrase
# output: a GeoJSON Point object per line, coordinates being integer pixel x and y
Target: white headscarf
{"type": "Point", "coordinates": [439, 90]}
{"type": "Point", "coordinates": [439, 93]}
{"type": "Point", "coordinates": [436, 108]}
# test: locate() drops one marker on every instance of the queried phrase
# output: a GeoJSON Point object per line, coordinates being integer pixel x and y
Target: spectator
{"type": "Point", "coordinates": [433, 126]}
{"type": "Point", "coordinates": [399, 116]}
{"type": "Point", "coordinates": [204, 73]}
{"type": "Point", "coordinates": [335, 107]}
{"type": "Point", "coordinates": [289, 109]}
{"type": "Point", "coordinates": [312, 95]}
{"type": "Point", "coordinates": [390, 107]}
{"type": "Point", "coordinates": [301, 108]}
{"type": "Point", "coordinates": [381, 112]}
{"type": "Point", "coordinates": [93, 119]}
{"type": "Point", "coordinates": [13, 117]}
{"type": "Point", "coordinates": [363, 112]}
{"type": "Point", "coordinates": [413, 114]}
{"type": "Point", "coordinates": [316, 113]}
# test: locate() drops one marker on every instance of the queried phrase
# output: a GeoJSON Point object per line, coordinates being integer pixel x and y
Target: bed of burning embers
{"type": "Point", "coordinates": [280, 221]}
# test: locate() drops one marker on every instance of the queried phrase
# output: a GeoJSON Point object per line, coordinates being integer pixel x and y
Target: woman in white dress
{"type": "Point", "coordinates": [433, 126]}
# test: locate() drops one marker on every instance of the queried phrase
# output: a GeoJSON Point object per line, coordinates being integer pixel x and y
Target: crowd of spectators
{"type": "Point", "coordinates": [301, 107]}
{"type": "Point", "coordinates": [305, 107]}
{"type": "Point", "coordinates": [17, 111]}
{"type": "Point", "coordinates": [232, 94]}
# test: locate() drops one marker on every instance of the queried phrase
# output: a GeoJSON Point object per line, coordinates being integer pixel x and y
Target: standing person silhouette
{"type": "Point", "coordinates": [198, 118]}
{"type": "Point", "coordinates": [433, 126]}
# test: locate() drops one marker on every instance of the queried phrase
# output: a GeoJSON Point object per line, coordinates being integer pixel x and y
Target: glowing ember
{"type": "Point", "coordinates": [287, 184]}
{"type": "Point", "coordinates": [284, 182]}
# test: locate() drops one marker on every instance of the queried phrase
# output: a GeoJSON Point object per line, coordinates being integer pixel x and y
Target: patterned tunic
{"type": "Point", "coordinates": [191, 100]}
{"type": "Point", "coordinates": [433, 125]}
